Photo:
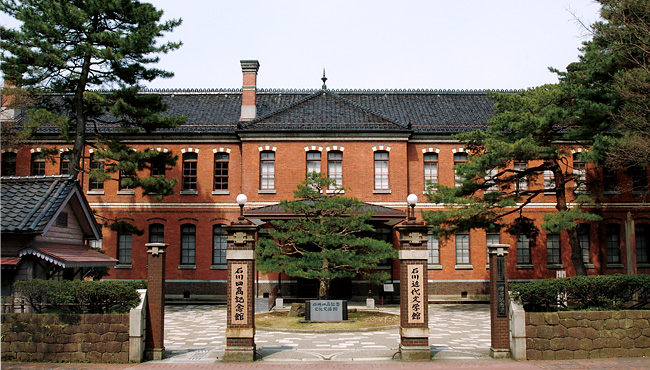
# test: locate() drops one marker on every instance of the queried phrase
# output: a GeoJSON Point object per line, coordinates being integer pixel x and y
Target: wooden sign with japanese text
{"type": "Point", "coordinates": [415, 286]}
{"type": "Point", "coordinates": [239, 293]}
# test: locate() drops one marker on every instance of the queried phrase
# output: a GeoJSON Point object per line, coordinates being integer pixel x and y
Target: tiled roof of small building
{"type": "Point", "coordinates": [420, 111]}
{"type": "Point", "coordinates": [30, 202]}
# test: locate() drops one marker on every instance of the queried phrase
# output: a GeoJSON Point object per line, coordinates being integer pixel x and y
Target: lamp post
{"type": "Point", "coordinates": [240, 256]}
{"type": "Point", "coordinates": [412, 200]}
{"type": "Point", "coordinates": [241, 200]}
{"type": "Point", "coordinates": [414, 287]}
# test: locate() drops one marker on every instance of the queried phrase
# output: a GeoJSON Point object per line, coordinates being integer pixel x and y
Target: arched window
{"type": "Point", "coordinates": [642, 236]}
{"type": "Point", "coordinates": [430, 168]}
{"type": "Point", "coordinates": [38, 164]}
{"type": "Point", "coordinates": [221, 171]}
{"type": "Point", "coordinates": [219, 245]}
{"type": "Point", "coordinates": [188, 244]}
{"type": "Point", "coordinates": [613, 243]}
{"type": "Point", "coordinates": [8, 164]}
{"type": "Point", "coordinates": [64, 163]}
{"type": "Point", "coordinates": [267, 170]}
{"type": "Point", "coordinates": [190, 161]}
{"type": "Point", "coordinates": [124, 243]}
{"type": "Point", "coordinates": [335, 166]}
{"type": "Point", "coordinates": [580, 173]}
{"type": "Point", "coordinates": [96, 164]}
{"type": "Point", "coordinates": [460, 157]}
{"type": "Point", "coordinates": [156, 233]}
{"type": "Point", "coordinates": [381, 170]}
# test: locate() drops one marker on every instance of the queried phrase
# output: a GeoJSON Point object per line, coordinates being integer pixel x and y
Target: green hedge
{"type": "Point", "coordinates": [80, 295]}
{"type": "Point", "coordinates": [584, 292]}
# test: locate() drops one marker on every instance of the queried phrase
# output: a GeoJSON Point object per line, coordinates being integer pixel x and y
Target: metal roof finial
{"type": "Point", "coordinates": [324, 79]}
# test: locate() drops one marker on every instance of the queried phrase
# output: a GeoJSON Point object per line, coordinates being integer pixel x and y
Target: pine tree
{"type": "Point", "coordinates": [83, 61]}
{"type": "Point", "coordinates": [327, 239]}
{"type": "Point", "coordinates": [611, 84]}
{"type": "Point", "coordinates": [530, 127]}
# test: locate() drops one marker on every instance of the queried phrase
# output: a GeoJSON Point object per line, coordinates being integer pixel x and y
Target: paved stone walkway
{"type": "Point", "coordinates": [196, 334]}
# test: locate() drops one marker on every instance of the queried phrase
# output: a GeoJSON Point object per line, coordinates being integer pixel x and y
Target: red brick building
{"type": "Point", "coordinates": [381, 144]}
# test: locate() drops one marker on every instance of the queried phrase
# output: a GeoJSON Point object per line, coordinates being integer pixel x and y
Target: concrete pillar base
{"type": "Point", "coordinates": [415, 353]}
{"type": "Point", "coordinates": [499, 353]}
{"type": "Point", "coordinates": [155, 354]}
{"type": "Point", "coordinates": [239, 354]}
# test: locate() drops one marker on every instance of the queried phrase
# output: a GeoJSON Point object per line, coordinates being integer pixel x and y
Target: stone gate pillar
{"type": "Point", "coordinates": [240, 254]}
{"type": "Point", "coordinates": [499, 303]}
{"type": "Point", "coordinates": [414, 292]}
{"type": "Point", "coordinates": [155, 337]}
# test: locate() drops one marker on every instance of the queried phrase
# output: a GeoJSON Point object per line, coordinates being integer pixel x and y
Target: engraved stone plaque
{"type": "Point", "coordinates": [239, 294]}
{"type": "Point", "coordinates": [415, 286]}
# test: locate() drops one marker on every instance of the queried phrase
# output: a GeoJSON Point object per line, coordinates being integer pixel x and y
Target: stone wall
{"type": "Point", "coordinates": [65, 337]}
{"type": "Point", "coordinates": [587, 334]}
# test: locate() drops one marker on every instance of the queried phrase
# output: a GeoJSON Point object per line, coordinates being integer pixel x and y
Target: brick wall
{"type": "Point", "coordinates": [593, 334]}
{"type": "Point", "coordinates": [68, 338]}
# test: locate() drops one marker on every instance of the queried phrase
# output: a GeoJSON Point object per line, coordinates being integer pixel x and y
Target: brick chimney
{"type": "Point", "coordinates": [249, 89]}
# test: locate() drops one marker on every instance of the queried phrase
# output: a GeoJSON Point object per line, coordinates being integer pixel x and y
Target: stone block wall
{"type": "Point", "coordinates": [587, 334]}
{"type": "Point", "coordinates": [65, 337]}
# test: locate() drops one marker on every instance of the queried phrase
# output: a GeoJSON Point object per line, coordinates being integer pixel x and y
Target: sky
{"type": "Point", "coordinates": [374, 44]}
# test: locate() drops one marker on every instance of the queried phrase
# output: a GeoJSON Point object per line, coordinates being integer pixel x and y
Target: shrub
{"type": "Point", "coordinates": [80, 295]}
{"type": "Point", "coordinates": [584, 292]}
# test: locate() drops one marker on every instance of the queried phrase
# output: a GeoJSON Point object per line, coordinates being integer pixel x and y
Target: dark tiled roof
{"type": "Point", "coordinates": [68, 256]}
{"type": "Point", "coordinates": [421, 111]}
{"type": "Point", "coordinates": [323, 111]}
{"type": "Point", "coordinates": [29, 203]}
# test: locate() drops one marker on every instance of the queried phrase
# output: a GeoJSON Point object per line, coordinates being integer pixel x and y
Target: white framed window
{"type": "Point", "coordinates": [381, 170]}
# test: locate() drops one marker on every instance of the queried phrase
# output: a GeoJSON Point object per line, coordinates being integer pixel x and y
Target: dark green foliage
{"type": "Point", "coordinates": [610, 84]}
{"type": "Point", "coordinates": [584, 292]}
{"type": "Point", "coordinates": [531, 127]}
{"type": "Point", "coordinates": [80, 295]}
{"type": "Point", "coordinates": [65, 49]}
{"type": "Point", "coordinates": [328, 239]}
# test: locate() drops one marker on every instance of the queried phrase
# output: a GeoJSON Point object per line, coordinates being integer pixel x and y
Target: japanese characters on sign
{"type": "Point", "coordinates": [326, 310]}
{"type": "Point", "coordinates": [239, 293]}
{"type": "Point", "coordinates": [415, 286]}
{"type": "Point", "coordinates": [501, 286]}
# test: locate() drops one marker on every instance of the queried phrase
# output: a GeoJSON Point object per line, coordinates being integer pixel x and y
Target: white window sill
{"type": "Point", "coordinates": [95, 192]}
{"type": "Point", "coordinates": [126, 192]}
{"type": "Point", "coordinates": [615, 266]}
{"type": "Point", "coordinates": [266, 191]}
{"type": "Point", "coordinates": [220, 192]}
{"type": "Point", "coordinates": [643, 265]}
{"type": "Point", "coordinates": [123, 266]}
{"type": "Point", "coordinates": [187, 267]}
{"type": "Point", "coordinates": [189, 192]}
{"type": "Point", "coordinates": [381, 191]}
{"type": "Point", "coordinates": [464, 267]}
{"type": "Point", "coordinates": [435, 267]}
{"type": "Point", "coordinates": [554, 266]}
{"type": "Point", "coordinates": [590, 266]}
{"type": "Point", "coordinates": [330, 191]}
{"type": "Point", "coordinates": [219, 267]}
{"type": "Point", "coordinates": [525, 266]}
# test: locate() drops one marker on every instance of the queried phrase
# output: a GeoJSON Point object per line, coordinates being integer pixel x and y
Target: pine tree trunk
{"type": "Point", "coordinates": [574, 242]}
{"type": "Point", "coordinates": [323, 289]}
{"type": "Point", "coordinates": [80, 115]}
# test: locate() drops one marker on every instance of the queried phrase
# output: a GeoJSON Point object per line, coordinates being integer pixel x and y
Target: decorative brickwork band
{"type": "Point", "coordinates": [240, 331]}
{"type": "Point", "coordinates": [155, 339]}
{"type": "Point", "coordinates": [414, 313]}
{"type": "Point", "coordinates": [499, 302]}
